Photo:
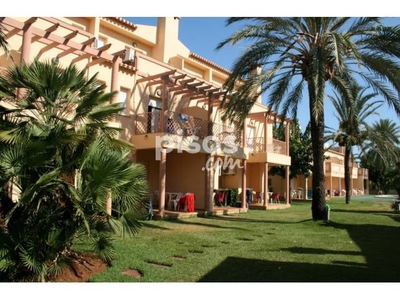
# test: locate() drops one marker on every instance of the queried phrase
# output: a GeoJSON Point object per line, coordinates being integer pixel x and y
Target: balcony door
{"type": "Point", "coordinates": [154, 115]}
{"type": "Point", "coordinates": [250, 137]}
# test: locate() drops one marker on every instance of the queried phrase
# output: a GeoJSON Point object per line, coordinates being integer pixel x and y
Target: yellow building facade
{"type": "Point", "coordinates": [172, 112]}
{"type": "Point", "coordinates": [334, 178]}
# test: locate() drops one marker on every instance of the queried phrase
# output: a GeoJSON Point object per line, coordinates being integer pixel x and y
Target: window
{"type": "Point", "coordinates": [250, 136]}
{"type": "Point", "coordinates": [123, 98]}
{"type": "Point", "coordinates": [100, 42]}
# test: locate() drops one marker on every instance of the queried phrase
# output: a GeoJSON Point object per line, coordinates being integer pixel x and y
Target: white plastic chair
{"type": "Point", "coordinates": [174, 201]}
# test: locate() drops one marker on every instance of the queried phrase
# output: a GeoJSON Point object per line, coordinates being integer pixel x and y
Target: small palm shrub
{"type": "Point", "coordinates": [59, 162]}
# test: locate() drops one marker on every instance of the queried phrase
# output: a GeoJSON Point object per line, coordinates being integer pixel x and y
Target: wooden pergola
{"type": "Point", "coordinates": [50, 38]}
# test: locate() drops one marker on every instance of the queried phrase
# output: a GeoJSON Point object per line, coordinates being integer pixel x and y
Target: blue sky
{"type": "Point", "coordinates": [202, 34]}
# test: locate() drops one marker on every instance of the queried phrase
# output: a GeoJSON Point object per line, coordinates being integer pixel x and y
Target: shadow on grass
{"type": "Point", "coordinates": [378, 244]}
{"type": "Point", "coordinates": [301, 250]}
{"type": "Point", "coordinates": [234, 269]}
{"type": "Point", "coordinates": [264, 221]}
{"type": "Point", "coordinates": [200, 224]}
{"type": "Point", "coordinates": [356, 211]}
{"type": "Point", "coordinates": [149, 225]}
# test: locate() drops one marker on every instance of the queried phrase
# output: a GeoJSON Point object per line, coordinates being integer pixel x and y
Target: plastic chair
{"type": "Point", "coordinates": [275, 198]}
{"type": "Point", "coordinates": [174, 201]}
{"type": "Point", "coordinates": [259, 197]}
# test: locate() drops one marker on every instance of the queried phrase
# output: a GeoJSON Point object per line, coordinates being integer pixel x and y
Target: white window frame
{"type": "Point", "coordinates": [123, 97]}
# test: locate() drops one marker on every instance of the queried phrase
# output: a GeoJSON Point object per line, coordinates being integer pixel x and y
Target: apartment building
{"type": "Point", "coordinates": [334, 177]}
{"type": "Point", "coordinates": [172, 99]}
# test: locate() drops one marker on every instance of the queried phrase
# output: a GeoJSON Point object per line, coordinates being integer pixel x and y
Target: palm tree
{"type": "Point", "coordinates": [59, 159]}
{"type": "Point", "coordinates": [3, 40]}
{"type": "Point", "coordinates": [298, 53]}
{"type": "Point", "coordinates": [382, 146]}
{"type": "Point", "coordinates": [380, 153]}
{"type": "Point", "coordinates": [351, 114]}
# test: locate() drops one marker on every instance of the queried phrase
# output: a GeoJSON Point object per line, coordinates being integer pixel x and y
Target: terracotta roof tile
{"type": "Point", "coordinates": [121, 22]}
{"type": "Point", "coordinates": [208, 62]}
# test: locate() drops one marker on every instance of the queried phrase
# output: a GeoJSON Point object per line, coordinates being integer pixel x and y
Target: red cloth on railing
{"type": "Point", "coordinates": [187, 201]}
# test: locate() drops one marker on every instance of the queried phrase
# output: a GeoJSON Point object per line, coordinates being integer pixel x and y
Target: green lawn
{"type": "Point", "coordinates": [359, 244]}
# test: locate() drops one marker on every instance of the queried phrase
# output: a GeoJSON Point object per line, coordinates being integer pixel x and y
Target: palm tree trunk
{"type": "Point", "coordinates": [347, 173]}
{"type": "Point", "coordinates": [318, 207]}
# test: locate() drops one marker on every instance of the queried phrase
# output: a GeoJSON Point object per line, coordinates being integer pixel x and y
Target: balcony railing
{"type": "Point", "coordinates": [257, 145]}
{"type": "Point", "coordinates": [185, 125]}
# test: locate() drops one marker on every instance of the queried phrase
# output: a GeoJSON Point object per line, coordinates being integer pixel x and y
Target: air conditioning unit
{"type": "Point", "coordinates": [98, 43]}
{"type": "Point", "coordinates": [129, 56]}
{"type": "Point", "coordinates": [229, 170]}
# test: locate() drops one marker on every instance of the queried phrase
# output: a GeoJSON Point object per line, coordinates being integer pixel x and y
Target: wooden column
{"type": "Point", "coordinates": [244, 184]}
{"type": "Point", "coordinates": [164, 107]}
{"type": "Point", "coordinates": [287, 140]}
{"type": "Point", "coordinates": [26, 43]}
{"type": "Point", "coordinates": [25, 51]}
{"type": "Point", "coordinates": [287, 137]}
{"type": "Point", "coordinates": [163, 180]}
{"type": "Point", "coordinates": [305, 191]}
{"type": "Point", "coordinates": [287, 185]}
{"type": "Point", "coordinates": [163, 159]}
{"type": "Point", "coordinates": [209, 203]}
{"type": "Point", "coordinates": [109, 203]}
{"type": "Point", "coordinates": [114, 87]}
{"type": "Point", "coordinates": [115, 78]}
{"type": "Point", "coordinates": [244, 165]}
{"type": "Point", "coordinates": [266, 187]}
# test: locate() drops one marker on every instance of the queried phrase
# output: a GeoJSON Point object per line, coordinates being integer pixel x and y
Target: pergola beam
{"type": "Point", "coordinates": [104, 48]}
{"type": "Point", "coordinates": [58, 39]}
{"type": "Point", "coordinates": [88, 41]}
{"type": "Point", "coordinates": [95, 62]}
{"type": "Point", "coordinates": [144, 79]}
{"type": "Point", "coordinates": [66, 52]}
{"type": "Point", "coordinates": [71, 35]}
{"type": "Point", "coordinates": [183, 82]}
{"type": "Point", "coordinates": [81, 57]}
{"type": "Point", "coordinates": [176, 78]}
{"type": "Point", "coordinates": [31, 20]}
{"type": "Point", "coordinates": [160, 81]}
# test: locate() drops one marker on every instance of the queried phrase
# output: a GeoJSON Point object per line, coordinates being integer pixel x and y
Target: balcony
{"type": "Point", "coordinates": [257, 145]}
{"type": "Point", "coordinates": [274, 151]}
{"type": "Point", "coordinates": [182, 127]}
{"type": "Point", "coordinates": [363, 173]}
{"type": "Point", "coordinates": [337, 170]}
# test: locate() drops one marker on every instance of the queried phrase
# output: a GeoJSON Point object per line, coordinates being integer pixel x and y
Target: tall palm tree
{"type": "Point", "coordinates": [59, 160]}
{"type": "Point", "coordinates": [308, 53]}
{"type": "Point", "coordinates": [353, 130]}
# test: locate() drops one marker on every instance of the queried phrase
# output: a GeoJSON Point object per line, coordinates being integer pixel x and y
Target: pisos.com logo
{"type": "Point", "coordinates": [210, 144]}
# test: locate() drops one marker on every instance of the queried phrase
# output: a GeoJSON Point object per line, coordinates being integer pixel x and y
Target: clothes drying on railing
{"type": "Point", "coordinates": [186, 202]}
{"type": "Point", "coordinates": [249, 195]}
{"type": "Point", "coordinates": [222, 197]}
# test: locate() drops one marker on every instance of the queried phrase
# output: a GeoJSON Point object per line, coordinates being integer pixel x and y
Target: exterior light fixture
{"type": "Point", "coordinates": [55, 60]}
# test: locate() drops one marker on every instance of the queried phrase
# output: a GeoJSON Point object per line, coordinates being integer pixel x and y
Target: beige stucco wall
{"type": "Point", "coordinates": [184, 173]}
{"type": "Point", "coordinates": [254, 176]}
{"type": "Point", "coordinates": [162, 43]}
